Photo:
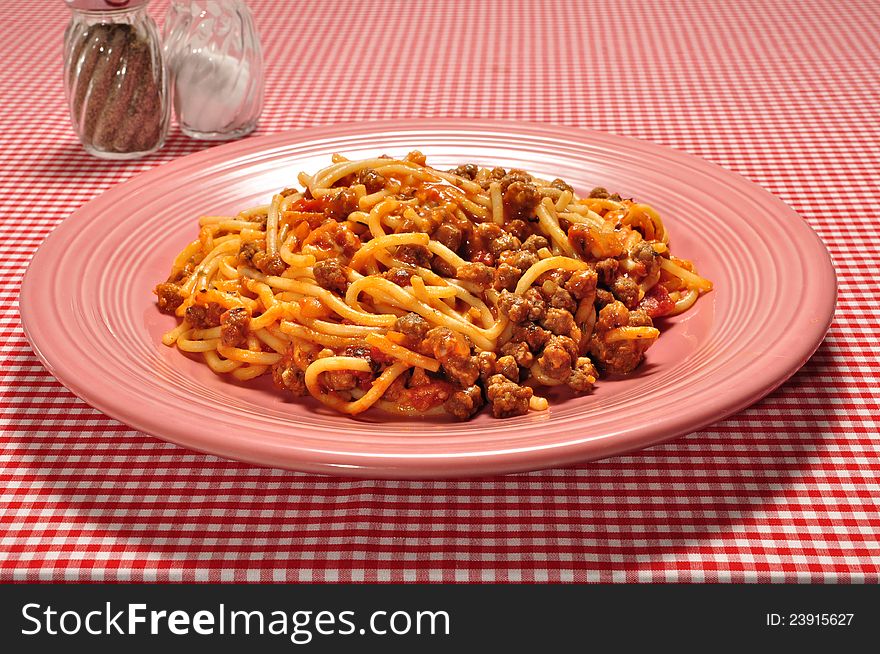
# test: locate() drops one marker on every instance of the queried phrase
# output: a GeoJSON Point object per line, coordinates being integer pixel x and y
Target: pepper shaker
{"type": "Point", "coordinates": [114, 77]}
{"type": "Point", "coordinates": [216, 65]}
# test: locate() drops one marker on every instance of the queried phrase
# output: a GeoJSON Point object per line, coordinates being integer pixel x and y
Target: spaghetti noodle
{"type": "Point", "coordinates": [388, 283]}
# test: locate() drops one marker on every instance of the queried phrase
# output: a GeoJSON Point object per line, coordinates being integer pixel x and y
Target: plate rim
{"type": "Point", "coordinates": [413, 466]}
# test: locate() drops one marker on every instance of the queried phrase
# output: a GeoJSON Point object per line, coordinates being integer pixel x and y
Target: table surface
{"type": "Point", "coordinates": [784, 93]}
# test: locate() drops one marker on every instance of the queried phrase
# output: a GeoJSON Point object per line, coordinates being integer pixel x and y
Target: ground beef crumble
{"type": "Point", "coordinates": [453, 351]}
{"type": "Point", "coordinates": [234, 327]}
{"type": "Point", "coordinates": [331, 275]}
{"type": "Point", "coordinates": [268, 264]}
{"type": "Point", "coordinates": [465, 403]}
{"type": "Point", "coordinates": [416, 255]}
{"type": "Point", "coordinates": [289, 376]}
{"type": "Point", "coordinates": [477, 273]}
{"type": "Point", "coordinates": [506, 397]}
{"type": "Point", "coordinates": [414, 327]}
{"type": "Point", "coordinates": [619, 357]}
{"type": "Point", "coordinates": [521, 308]}
{"type": "Point", "coordinates": [558, 357]}
{"type": "Point", "coordinates": [449, 235]}
{"type": "Point", "coordinates": [204, 316]}
{"type": "Point", "coordinates": [169, 297]}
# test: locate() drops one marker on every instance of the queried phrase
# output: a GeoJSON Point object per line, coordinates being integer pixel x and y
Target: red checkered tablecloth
{"type": "Point", "coordinates": [785, 93]}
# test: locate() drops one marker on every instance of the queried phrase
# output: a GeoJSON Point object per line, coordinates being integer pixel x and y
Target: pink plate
{"type": "Point", "coordinates": [88, 309]}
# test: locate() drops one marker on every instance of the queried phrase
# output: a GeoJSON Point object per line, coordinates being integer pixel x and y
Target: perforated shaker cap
{"type": "Point", "coordinates": [104, 5]}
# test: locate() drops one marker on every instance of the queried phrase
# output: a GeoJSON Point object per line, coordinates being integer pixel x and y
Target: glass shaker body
{"type": "Point", "coordinates": [216, 65]}
{"type": "Point", "coordinates": [114, 78]}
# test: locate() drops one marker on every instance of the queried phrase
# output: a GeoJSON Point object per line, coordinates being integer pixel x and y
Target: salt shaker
{"type": "Point", "coordinates": [216, 65]}
{"type": "Point", "coordinates": [114, 78]}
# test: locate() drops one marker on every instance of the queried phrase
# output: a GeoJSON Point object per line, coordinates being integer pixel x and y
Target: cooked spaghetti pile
{"type": "Point", "coordinates": [388, 283]}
